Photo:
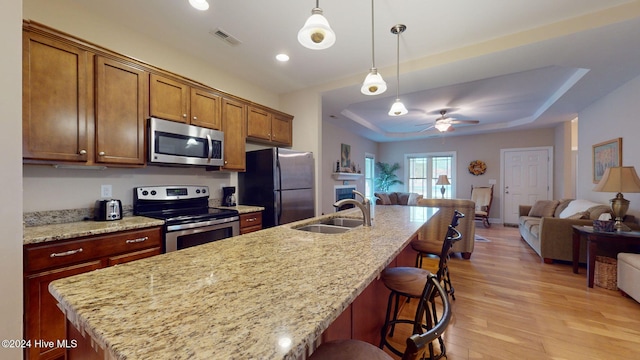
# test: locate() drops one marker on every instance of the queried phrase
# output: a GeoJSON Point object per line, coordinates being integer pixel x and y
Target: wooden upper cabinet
{"type": "Point", "coordinates": [234, 115]}
{"type": "Point", "coordinates": [120, 112]}
{"type": "Point", "coordinates": [55, 88]}
{"type": "Point", "coordinates": [169, 99]}
{"type": "Point", "coordinates": [206, 109]}
{"type": "Point", "coordinates": [282, 129]}
{"type": "Point", "coordinates": [268, 127]}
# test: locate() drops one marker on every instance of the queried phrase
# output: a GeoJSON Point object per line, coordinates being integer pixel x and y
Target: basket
{"type": "Point", "coordinates": [604, 225]}
{"type": "Point", "coordinates": [606, 273]}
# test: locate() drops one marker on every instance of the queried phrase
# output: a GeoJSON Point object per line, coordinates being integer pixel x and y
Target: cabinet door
{"type": "Point", "coordinates": [137, 255]}
{"type": "Point", "coordinates": [120, 113]}
{"type": "Point", "coordinates": [169, 99]}
{"type": "Point", "coordinates": [206, 109]}
{"type": "Point", "coordinates": [54, 100]}
{"type": "Point", "coordinates": [250, 222]}
{"type": "Point", "coordinates": [43, 318]}
{"type": "Point", "coordinates": [234, 115]}
{"type": "Point", "coordinates": [258, 124]}
{"type": "Point", "coordinates": [281, 129]}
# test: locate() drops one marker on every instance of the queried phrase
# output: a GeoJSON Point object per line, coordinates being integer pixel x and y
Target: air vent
{"type": "Point", "coordinates": [225, 36]}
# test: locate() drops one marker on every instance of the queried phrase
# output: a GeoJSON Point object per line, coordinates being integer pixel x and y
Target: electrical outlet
{"type": "Point", "coordinates": [106, 191]}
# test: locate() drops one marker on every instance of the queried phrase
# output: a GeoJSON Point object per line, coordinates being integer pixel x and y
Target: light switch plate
{"type": "Point", "coordinates": [106, 191]}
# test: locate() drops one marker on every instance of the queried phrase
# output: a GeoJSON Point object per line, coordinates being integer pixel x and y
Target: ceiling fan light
{"type": "Point", "coordinates": [373, 84]}
{"type": "Point", "coordinates": [316, 34]}
{"type": "Point", "coordinates": [442, 127]}
{"type": "Point", "coordinates": [201, 5]}
{"type": "Point", "coordinates": [398, 109]}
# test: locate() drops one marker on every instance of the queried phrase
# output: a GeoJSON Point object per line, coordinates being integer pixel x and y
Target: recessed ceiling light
{"type": "Point", "coordinates": [282, 57]}
{"type": "Point", "coordinates": [199, 4]}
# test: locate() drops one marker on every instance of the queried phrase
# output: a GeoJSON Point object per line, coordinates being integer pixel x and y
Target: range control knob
{"type": "Point", "coordinates": [145, 192]}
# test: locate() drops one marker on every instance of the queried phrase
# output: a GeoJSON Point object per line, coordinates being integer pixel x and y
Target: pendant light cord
{"type": "Point", "coordinates": [398, 64]}
{"type": "Point", "coordinates": [373, 43]}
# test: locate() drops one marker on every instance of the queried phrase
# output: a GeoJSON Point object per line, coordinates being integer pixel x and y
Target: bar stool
{"type": "Point", "coordinates": [408, 282]}
{"type": "Point", "coordinates": [434, 248]}
{"type": "Point", "coordinates": [416, 344]}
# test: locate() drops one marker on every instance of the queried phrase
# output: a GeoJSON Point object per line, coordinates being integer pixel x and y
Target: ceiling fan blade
{"type": "Point", "coordinates": [427, 128]}
{"type": "Point", "coordinates": [464, 122]}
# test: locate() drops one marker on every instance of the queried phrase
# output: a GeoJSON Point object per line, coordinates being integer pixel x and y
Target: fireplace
{"type": "Point", "coordinates": [344, 192]}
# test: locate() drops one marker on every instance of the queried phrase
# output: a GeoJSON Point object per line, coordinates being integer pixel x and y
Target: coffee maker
{"type": "Point", "coordinates": [228, 196]}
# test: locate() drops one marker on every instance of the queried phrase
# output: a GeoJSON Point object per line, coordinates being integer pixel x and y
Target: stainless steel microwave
{"type": "Point", "coordinates": [176, 143]}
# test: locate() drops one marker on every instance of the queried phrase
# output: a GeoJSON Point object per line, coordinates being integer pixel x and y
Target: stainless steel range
{"type": "Point", "coordinates": [189, 221]}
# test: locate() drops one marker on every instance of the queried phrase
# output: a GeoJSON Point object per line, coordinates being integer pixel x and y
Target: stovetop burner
{"type": "Point", "coordinates": [190, 215]}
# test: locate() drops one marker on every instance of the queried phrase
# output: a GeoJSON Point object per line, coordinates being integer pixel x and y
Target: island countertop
{"type": "Point", "coordinates": [263, 295]}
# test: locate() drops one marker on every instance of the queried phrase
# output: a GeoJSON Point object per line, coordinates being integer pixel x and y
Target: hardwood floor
{"type": "Point", "coordinates": [510, 305]}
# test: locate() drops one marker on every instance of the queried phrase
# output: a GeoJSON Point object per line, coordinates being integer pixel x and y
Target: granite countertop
{"type": "Point", "coordinates": [264, 295]}
{"type": "Point", "coordinates": [44, 233]}
{"type": "Point", "coordinates": [243, 209]}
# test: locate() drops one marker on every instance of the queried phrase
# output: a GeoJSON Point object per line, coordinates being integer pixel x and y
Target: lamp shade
{"type": "Point", "coordinates": [373, 83]}
{"type": "Point", "coordinates": [619, 179]}
{"type": "Point", "coordinates": [443, 180]}
{"type": "Point", "coordinates": [316, 34]}
{"type": "Point", "coordinates": [398, 108]}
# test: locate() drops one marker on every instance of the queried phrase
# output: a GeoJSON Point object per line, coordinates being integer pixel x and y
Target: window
{"type": "Point", "coordinates": [369, 168]}
{"type": "Point", "coordinates": [423, 171]}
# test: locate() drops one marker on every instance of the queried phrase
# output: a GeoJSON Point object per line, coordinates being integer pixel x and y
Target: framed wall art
{"type": "Point", "coordinates": [606, 154]}
{"type": "Point", "coordinates": [345, 156]}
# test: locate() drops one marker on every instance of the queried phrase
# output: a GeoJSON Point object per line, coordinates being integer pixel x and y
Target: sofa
{"type": "Point", "coordinates": [436, 227]}
{"type": "Point", "coordinates": [397, 198]}
{"type": "Point", "coordinates": [546, 226]}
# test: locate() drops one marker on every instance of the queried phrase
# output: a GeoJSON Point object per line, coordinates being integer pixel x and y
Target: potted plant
{"type": "Point", "coordinates": [386, 176]}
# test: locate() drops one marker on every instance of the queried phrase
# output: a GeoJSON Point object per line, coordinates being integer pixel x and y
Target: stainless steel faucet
{"type": "Point", "coordinates": [364, 206]}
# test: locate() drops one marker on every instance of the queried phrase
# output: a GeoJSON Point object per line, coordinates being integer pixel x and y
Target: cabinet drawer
{"type": "Point", "coordinates": [56, 254]}
{"type": "Point", "coordinates": [250, 220]}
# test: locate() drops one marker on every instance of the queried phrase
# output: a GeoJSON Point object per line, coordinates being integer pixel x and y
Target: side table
{"type": "Point", "coordinates": [593, 238]}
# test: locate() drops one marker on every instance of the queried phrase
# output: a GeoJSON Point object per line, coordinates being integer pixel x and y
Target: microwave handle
{"type": "Point", "coordinates": [210, 155]}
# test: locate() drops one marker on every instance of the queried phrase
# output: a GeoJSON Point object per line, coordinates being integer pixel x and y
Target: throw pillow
{"type": "Point", "coordinates": [579, 215]}
{"type": "Point", "coordinates": [413, 199]}
{"type": "Point", "coordinates": [543, 208]}
{"type": "Point", "coordinates": [576, 206]}
{"type": "Point", "coordinates": [403, 198]}
{"type": "Point", "coordinates": [393, 198]}
{"type": "Point", "coordinates": [596, 211]}
{"type": "Point", "coordinates": [561, 206]}
{"type": "Point", "coordinates": [384, 198]}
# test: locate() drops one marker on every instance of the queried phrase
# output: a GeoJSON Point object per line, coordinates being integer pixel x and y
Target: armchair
{"type": "Point", "coordinates": [482, 196]}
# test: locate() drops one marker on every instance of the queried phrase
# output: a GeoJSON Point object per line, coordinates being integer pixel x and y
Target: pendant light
{"type": "Point", "coordinates": [398, 108]}
{"type": "Point", "coordinates": [201, 5]}
{"type": "Point", "coordinates": [316, 34]}
{"type": "Point", "coordinates": [373, 84]}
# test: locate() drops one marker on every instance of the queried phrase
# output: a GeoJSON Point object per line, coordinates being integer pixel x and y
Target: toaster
{"type": "Point", "coordinates": [108, 210]}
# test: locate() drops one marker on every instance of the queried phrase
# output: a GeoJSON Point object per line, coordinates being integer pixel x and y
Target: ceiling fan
{"type": "Point", "coordinates": [445, 123]}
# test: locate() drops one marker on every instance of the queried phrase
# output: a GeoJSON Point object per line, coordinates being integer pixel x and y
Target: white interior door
{"type": "Point", "coordinates": [527, 175]}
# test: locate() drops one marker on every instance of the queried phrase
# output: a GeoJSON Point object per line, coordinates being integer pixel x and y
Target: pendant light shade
{"type": "Point", "coordinates": [373, 83]}
{"type": "Point", "coordinates": [316, 34]}
{"type": "Point", "coordinates": [201, 5]}
{"type": "Point", "coordinates": [398, 108]}
{"type": "Point", "coordinates": [442, 127]}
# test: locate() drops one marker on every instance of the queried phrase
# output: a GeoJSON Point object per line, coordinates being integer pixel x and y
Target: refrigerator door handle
{"type": "Point", "coordinates": [279, 199]}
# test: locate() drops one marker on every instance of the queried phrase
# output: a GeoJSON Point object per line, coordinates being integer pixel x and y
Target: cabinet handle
{"type": "Point", "coordinates": [252, 219]}
{"type": "Point", "coordinates": [184, 115]}
{"type": "Point", "coordinates": [83, 151]}
{"type": "Point", "coordinates": [132, 241]}
{"type": "Point", "coordinates": [101, 153]}
{"type": "Point", "coordinates": [66, 253]}
{"type": "Point", "coordinates": [195, 118]}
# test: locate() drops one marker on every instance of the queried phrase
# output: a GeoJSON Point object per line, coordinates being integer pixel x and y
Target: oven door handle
{"type": "Point", "coordinates": [179, 227]}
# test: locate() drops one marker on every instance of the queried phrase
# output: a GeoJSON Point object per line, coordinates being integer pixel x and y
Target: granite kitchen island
{"type": "Point", "coordinates": [264, 295]}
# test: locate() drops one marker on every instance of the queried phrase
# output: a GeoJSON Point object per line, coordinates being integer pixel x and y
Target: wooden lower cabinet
{"type": "Point", "coordinates": [250, 222]}
{"type": "Point", "coordinates": [46, 262]}
{"type": "Point", "coordinates": [363, 319]}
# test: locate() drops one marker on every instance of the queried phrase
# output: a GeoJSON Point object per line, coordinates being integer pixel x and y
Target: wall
{"type": "Point", "coordinates": [53, 189]}
{"type": "Point", "coordinates": [613, 116]}
{"type": "Point", "coordinates": [332, 138]}
{"type": "Point", "coordinates": [485, 147]}
{"type": "Point", "coordinates": [11, 189]}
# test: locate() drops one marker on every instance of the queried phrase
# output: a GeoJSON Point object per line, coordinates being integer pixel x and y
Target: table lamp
{"type": "Point", "coordinates": [619, 179]}
{"type": "Point", "coordinates": [442, 180]}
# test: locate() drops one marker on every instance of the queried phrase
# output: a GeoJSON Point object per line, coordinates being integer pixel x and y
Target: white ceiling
{"type": "Point", "coordinates": [511, 64]}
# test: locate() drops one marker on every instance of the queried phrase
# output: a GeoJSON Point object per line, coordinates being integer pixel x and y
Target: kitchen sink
{"type": "Point", "coordinates": [324, 228]}
{"type": "Point", "coordinates": [346, 222]}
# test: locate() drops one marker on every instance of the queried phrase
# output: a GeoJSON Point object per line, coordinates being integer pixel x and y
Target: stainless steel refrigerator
{"type": "Point", "coordinates": [281, 181]}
